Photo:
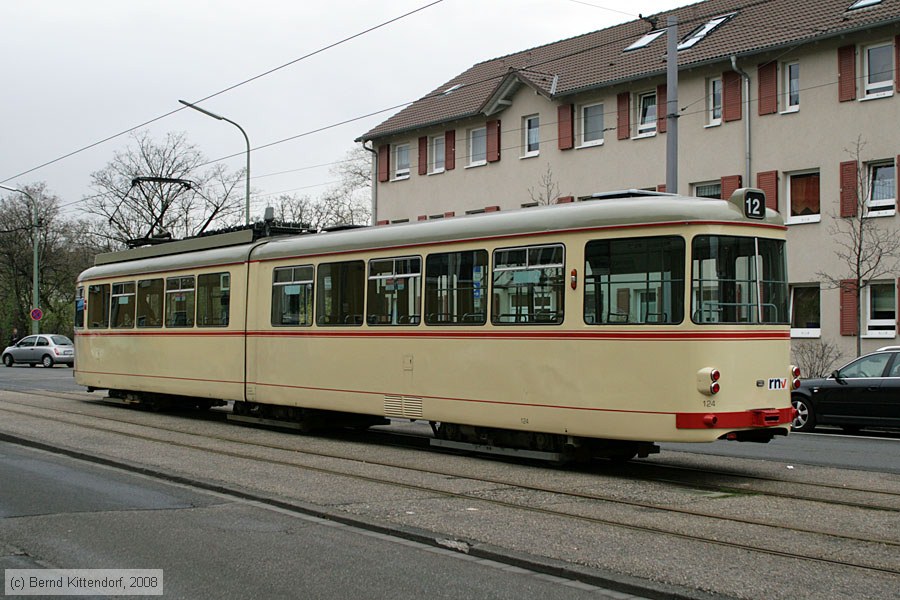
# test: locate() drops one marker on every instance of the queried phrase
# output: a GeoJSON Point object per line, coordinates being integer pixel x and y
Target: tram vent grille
{"type": "Point", "coordinates": [403, 406]}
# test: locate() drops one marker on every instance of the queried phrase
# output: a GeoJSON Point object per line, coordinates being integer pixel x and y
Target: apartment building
{"type": "Point", "coordinates": [801, 100]}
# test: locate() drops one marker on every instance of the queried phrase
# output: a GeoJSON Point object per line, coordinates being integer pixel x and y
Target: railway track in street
{"type": "Point", "coordinates": [773, 537]}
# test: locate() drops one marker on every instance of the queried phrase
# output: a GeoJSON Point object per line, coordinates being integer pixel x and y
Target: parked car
{"type": "Point", "coordinates": [44, 349]}
{"type": "Point", "coordinates": [862, 393]}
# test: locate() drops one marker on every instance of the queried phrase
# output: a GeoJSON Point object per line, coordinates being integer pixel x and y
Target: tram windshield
{"type": "Point", "coordinates": [738, 280]}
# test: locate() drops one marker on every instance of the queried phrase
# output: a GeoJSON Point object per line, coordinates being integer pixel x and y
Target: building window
{"type": "Point", "coordinates": [805, 311]}
{"type": "Point", "coordinates": [646, 40]}
{"type": "Point", "coordinates": [878, 69]}
{"type": "Point", "coordinates": [863, 4]}
{"type": "Point", "coordinates": [803, 197]}
{"type": "Point", "coordinates": [708, 189]}
{"type": "Point", "coordinates": [791, 87]}
{"type": "Point", "coordinates": [437, 155]}
{"type": "Point", "coordinates": [591, 125]}
{"type": "Point", "coordinates": [646, 108]}
{"type": "Point", "coordinates": [882, 189]}
{"type": "Point", "coordinates": [531, 131]}
{"type": "Point", "coordinates": [714, 100]}
{"type": "Point", "coordinates": [881, 309]}
{"type": "Point", "coordinates": [401, 161]}
{"type": "Point", "coordinates": [478, 146]}
{"type": "Point", "coordinates": [701, 32]}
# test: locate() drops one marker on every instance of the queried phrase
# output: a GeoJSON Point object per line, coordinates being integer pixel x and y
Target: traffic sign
{"type": "Point", "coordinates": [37, 314]}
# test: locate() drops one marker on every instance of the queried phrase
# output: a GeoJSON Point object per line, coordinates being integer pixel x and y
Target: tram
{"type": "Point", "coordinates": [595, 328]}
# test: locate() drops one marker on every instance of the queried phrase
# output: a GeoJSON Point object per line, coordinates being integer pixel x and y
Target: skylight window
{"type": "Point", "coordinates": [704, 30]}
{"type": "Point", "coordinates": [646, 40]}
{"type": "Point", "coordinates": [451, 89]}
{"type": "Point", "coordinates": [863, 4]}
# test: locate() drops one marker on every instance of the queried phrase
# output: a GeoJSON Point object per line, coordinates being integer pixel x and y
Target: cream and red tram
{"type": "Point", "coordinates": [597, 327]}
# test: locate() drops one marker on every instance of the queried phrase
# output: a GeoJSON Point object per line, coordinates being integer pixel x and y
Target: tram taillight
{"type": "Point", "coordinates": [795, 372]}
{"type": "Point", "coordinates": [708, 381]}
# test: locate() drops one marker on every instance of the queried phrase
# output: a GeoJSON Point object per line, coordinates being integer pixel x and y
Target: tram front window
{"type": "Point", "coordinates": [738, 280]}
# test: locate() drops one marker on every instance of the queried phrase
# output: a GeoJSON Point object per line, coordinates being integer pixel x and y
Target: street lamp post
{"type": "Point", "coordinates": [35, 296]}
{"type": "Point", "coordinates": [246, 139]}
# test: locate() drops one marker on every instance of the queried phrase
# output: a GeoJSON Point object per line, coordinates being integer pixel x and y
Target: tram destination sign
{"type": "Point", "coordinates": [754, 204]}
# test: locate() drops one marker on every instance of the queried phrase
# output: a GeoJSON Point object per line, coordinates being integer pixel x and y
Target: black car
{"type": "Point", "coordinates": [863, 393]}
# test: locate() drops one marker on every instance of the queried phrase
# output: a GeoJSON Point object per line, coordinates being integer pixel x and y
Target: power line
{"type": "Point", "coordinates": [228, 89]}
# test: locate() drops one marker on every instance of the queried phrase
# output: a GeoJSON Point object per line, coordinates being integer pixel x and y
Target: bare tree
{"type": "Point", "coordinates": [815, 357]}
{"type": "Point", "coordinates": [547, 190]}
{"type": "Point", "coordinates": [867, 247]}
{"type": "Point", "coordinates": [175, 194]}
{"type": "Point", "coordinates": [64, 250]}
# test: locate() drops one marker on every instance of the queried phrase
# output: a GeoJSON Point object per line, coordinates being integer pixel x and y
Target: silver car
{"type": "Point", "coordinates": [44, 349]}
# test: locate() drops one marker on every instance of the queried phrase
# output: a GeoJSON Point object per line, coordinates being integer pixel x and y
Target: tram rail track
{"type": "Point", "coordinates": [556, 493]}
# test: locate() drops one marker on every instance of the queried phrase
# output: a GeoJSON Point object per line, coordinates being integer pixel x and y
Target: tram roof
{"type": "Point", "coordinates": [617, 209]}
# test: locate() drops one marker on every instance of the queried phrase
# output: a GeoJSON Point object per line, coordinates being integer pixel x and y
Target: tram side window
{"type": "Point", "coordinates": [528, 285]}
{"type": "Point", "coordinates": [292, 296]}
{"type": "Point", "coordinates": [79, 308]}
{"type": "Point", "coordinates": [122, 305]}
{"type": "Point", "coordinates": [213, 299]}
{"type": "Point", "coordinates": [395, 291]}
{"type": "Point", "coordinates": [455, 288]}
{"type": "Point", "coordinates": [150, 303]}
{"type": "Point", "coordinates": [738, 280]}
{"type": "Point", "coordinates": [98, 306]}
{"type": "Point", "coordinates": [180, 301]}
{"type": "Point", "coordinates": [634, 280]}
{"type": "Point", "coordinates": [341, 293]}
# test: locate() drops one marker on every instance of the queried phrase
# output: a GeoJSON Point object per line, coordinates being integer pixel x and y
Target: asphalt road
{"type": "Point", "coordinates": [66, 514]}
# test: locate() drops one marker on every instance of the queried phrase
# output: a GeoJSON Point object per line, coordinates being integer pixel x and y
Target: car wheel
{"type": "Point", "coordinates": [47, 361]}
{"type": "Point", "coordinates": [805, 419]}
{"type": "Point", "coordinates": [8, 360]}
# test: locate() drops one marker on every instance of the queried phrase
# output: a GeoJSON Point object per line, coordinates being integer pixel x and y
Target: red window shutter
{"type": "Point", "coordinates": [423, 155]}
{"type": "Point", "coordinates": [767, 181]}
{"type": "Point", "coordinates": [384, 162]}
{"type": "Point", "coordinates": [488, 209]}
{"type": "Point", "coordinates": [662, 108]}
{"type": "Point", "coordinates": [566, 123]}
{"type": "Point", "coordinates": [565, 199]}
{"type": "Point", "coordinates": [383, 222]}
{"type": "Point", "coordinates": [848, 307]}
{"type": "Point", "coordinates": [849, 190]}
{"type": "Point", "coordinates": [897, 62]}
{"type": "Point", "coordinates": [623, 126]}
{"type": "Point", "coordinates": [450, 150]}
{"type": "Point", "coordinates": [493, 140]}
{"type": "Point", "coordinates": [768, 88]}
{"type": "Point", "coordinates": [846, 73]}
{"type": "Point", "coordinates": [731, 96]}
{"type": "Point", "coordinates": [423, 217]}
{"type": "Point", "coordinates": [729, 184]}
{"type": "Point", "coordinates": [661, 187]}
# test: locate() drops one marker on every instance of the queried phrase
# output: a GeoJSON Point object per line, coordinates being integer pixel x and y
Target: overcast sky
{"type": "Point", "coordinates": [77, 71]}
